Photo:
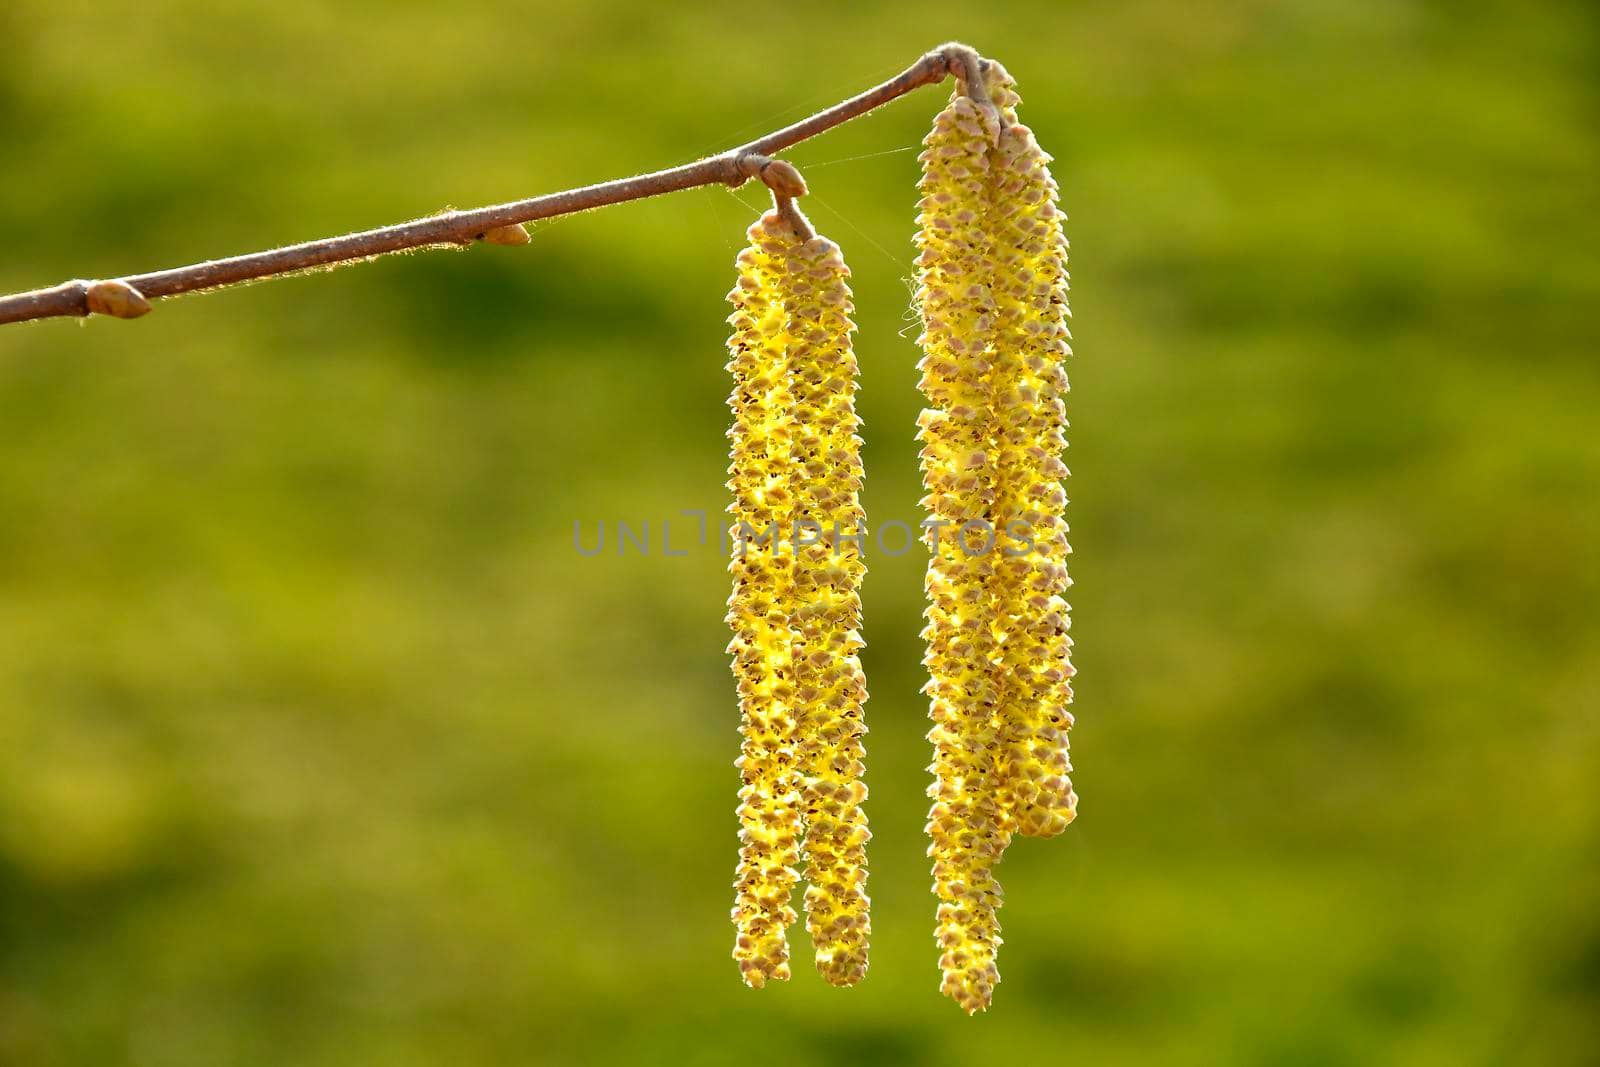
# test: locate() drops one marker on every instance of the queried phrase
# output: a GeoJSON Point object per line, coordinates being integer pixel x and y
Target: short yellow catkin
{"type": "Point", "coordinates": [1029, 381]}
{"type": "Point", "coordinates": [992, 294]}
{"type": "Point", "coordinates": [831, 686]}
{"type": "Point", "coordinates": [759, 612]}
{"type": "Point", "coordinates": [796, 611]}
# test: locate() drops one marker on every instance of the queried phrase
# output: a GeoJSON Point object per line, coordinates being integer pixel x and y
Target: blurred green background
{"type": "Point", "coordinates": [320, 745]}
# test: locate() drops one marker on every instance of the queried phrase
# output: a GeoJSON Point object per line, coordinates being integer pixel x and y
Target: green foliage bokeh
{"type": "Point", "coordinates": [320, 745]}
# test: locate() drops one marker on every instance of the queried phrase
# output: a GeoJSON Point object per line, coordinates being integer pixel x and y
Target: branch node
{"type": "Point", "coordinates": [782, 178]}
{"type": "Point", "coordinates": [967, 67]}
{"type": "Point", "coordinates": [779, 175]}
{"type": "Point", "coordinates": [117, 299]}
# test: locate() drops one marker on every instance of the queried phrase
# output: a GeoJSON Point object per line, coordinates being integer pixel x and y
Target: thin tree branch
{"type": "Point", "coordinates": [129, 296]}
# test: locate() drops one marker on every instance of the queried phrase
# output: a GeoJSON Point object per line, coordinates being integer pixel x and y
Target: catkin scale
{"type": "Point", "coordinates": [992, 297]}
{"type": "Point", "coordinates": [796, 611]}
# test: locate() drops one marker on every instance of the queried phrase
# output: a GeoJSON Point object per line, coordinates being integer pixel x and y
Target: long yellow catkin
{"type": "Point", "coordinates": [1028, 384]}
{"type": "Point", "coordinates": [958, 313]}
{"type": "Point", "coordinates": [831, 685]}
{"type": "Point", "coordinates": [992, 294]}
{"type": "Point", "coordinates": [796, 611]}
{"type": "Point", "coordinates": [760, 610]}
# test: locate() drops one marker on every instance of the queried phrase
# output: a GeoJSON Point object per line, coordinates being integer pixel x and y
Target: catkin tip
{"type": "Point", "coordinates": [793, 218]}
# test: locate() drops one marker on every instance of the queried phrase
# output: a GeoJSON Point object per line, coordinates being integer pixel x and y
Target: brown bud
{"type": "Point", "coordinates": [514, 234]}
{"type": "Point", "coordinates": [782, 178]}
{"type": "Point", "coordinates": [117, 299]}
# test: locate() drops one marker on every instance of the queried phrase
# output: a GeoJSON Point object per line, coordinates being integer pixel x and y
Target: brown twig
{"type": "Point", "coordinates": [733, 167]}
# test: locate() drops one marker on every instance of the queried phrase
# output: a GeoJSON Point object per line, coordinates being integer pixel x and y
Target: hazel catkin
{"type": "Point", "coordinates": [828, 570]}
{"type": "Point", "coordinates": [1028, 376]}
{"type": "Point", "coordinates": [992, 296]}
{"type": "Point", "coordinates": [759, 614]}
{"type": "Point", "coordinates": [795, 477]}
{"type": "Point", "coordinates": [958, 317]}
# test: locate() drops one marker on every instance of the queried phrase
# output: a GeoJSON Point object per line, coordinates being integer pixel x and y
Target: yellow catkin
{"type": "Point", "coordinates": [760, 610]}
{"type": "Point", "coordinates": [993, 298]}
{"type": "Point", "coordinates": [831, 688]}
{"type": "Point", "coordinates": [958, 314]}
{"type": "Point", "coordinates": [1028, 384]}
{"type": "Point", "coordinates": [795, 477]}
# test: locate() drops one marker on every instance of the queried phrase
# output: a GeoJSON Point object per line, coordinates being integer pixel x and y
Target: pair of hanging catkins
{"type": "Point", "coordinates": [992, 294]}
